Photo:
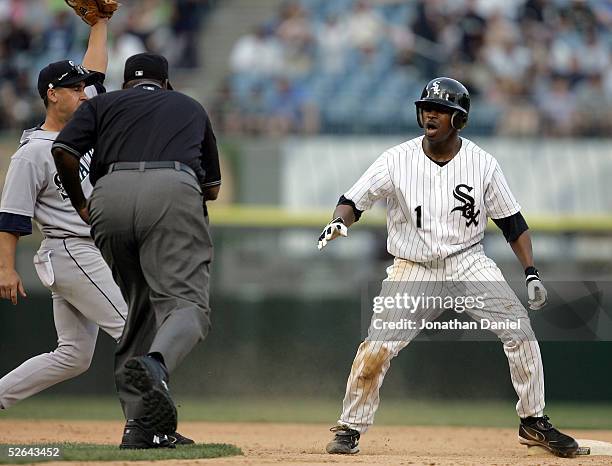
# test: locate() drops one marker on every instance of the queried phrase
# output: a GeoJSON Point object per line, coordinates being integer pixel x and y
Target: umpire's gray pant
{"type": "Point", "coordinates": [150, 227]}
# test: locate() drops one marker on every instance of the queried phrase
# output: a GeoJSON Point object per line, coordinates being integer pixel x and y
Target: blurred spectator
{"type": "Point", "coordinates": [593, 108]}
{"type": "Point", "coordinates": [225, 112]}
{"type": "Point", "coordinates": [507, 59]}
{"type": "Point", "coordinates": [124, 44]}
{"type": "Point", "coordinates": [473, 27]}
{"type": "Point", "coordinates": [594, 54]}
{"type": "Point", "coordinates": [427, 26]}
{"type": "Point", "coordinates": [258, 53]}
{"type": "Point", "coordinates": [558, 106]}
{"type": "Point", "coordinates": [59, 37]}
{"type": "Point", "coordinates": [295, 35]}
{"type": "Point", "coordinates": [366, 27]}
{"type": "Point", "coordinates": [291, 111]}
{"type": "Point", "coordinates": [186, 22]}
{"type": "Point", "coordinates": [332, 42]}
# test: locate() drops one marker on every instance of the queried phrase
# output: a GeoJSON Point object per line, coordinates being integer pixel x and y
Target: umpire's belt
{"type": "Point", "coordinates": [142, 166]}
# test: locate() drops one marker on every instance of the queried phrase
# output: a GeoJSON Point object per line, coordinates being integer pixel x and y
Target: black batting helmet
{"type": "Point", "coordinates": [449, 93]}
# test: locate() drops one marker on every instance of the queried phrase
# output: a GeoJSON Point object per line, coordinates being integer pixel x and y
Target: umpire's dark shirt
{"type": "Point", "coordinates": [145, 123]}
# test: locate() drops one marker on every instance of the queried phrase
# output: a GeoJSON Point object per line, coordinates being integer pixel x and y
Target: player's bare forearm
{"type": "Point", "coordinates": [210, 194]}
{"type": "Point", "coordinates": [96, 56]}
{"type": "Point", "coordinates": [8, 246]}
{"type": "Point", "coordinates": [345, 212]}
{"type": "Point", "coordinates": [68, 170]}
{"type": "Point", "coordinates": [522, 249]}
{"type": "Point", "coordinates": [10, 281]}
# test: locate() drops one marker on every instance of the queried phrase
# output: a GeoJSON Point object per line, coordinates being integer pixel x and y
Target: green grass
{"type": "Point", "coordinates": [91, 452]}
{"type": "Point", "coordinates": [392, 411]}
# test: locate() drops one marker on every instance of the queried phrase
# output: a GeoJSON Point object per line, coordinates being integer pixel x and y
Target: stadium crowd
{"type": "Point", "coordinates": [533, 66]}
{"type": "Point", "coordinates": [34, 33]}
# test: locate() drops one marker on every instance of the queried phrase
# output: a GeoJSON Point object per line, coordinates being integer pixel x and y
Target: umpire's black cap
{"type": "Point", "coordinates": [63, 74]}
{"type": "Point", "coordinates": [146, 66]}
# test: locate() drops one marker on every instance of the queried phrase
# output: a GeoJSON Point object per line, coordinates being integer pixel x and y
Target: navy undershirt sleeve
{"type": "Point", "coordinates": [512, 227]}
{"type": "Point", "coordinates": [344, 201]}
{"type": "Point", "coordinates": [14, 223]}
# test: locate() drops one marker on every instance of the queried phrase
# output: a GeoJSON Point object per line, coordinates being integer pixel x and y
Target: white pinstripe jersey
{"type": "Point", "coordinates": [434, 211]}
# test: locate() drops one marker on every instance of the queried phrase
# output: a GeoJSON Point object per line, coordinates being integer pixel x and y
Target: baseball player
{"type": "Point", "coordinates": [85, 296]}
{"type": "Point", "coordinates": [440, 190]}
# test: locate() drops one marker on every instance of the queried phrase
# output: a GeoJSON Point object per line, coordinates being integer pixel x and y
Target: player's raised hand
{"type": "Point", "coordinates": [11, 285]}
{"type": "Point", "coordinates": [535, 289]}
{"type": "Point", "coordinates": [331, 231]}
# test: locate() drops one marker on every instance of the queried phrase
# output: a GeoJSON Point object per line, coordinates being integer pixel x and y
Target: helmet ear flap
{"type": "Point", "coordinates": [458, 120]}
{"type": "Point", "coordinates": [419, 114]}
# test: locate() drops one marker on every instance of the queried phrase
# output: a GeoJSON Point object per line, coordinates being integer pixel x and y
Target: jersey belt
{"type": "Point", "coordinates": [142, 166]}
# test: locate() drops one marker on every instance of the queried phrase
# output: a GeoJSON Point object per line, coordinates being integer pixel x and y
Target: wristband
{"type": "Point", "coordinates": [531, 273]}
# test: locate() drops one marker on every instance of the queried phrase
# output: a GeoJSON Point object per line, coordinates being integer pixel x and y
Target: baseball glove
{"type": "Point", "coordinates": [91, 11]}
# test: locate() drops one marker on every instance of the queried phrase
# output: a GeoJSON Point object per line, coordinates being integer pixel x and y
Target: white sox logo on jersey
{"type": "Point", "coordinates": [83, 173]}
{"type": "Point", "coordinates": [467, 209]}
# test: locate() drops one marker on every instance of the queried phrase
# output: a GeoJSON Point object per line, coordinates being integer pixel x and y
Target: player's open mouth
{"type": "Point", "coordinates": [431, 125]}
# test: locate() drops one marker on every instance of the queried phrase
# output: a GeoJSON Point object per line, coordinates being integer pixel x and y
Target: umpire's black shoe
{"type": "Point", "coordinates": [345, 442]}
{"type": "Point", "coordinates": [539, 431]}
{"type": "Point", "coordinates": [149, 377]}
{"type": "Point", "coordinates": [136, 436]}
{"type": "Point", "coordinates": [178, 439]}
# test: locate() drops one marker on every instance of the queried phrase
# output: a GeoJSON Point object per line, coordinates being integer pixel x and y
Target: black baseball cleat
{"type": "Point", "coordinates": [345, 442]}
{"type": "Point", "coordinates": [178, 439]}
{"type": "Point", "coordinates": [149, 377]}
{"type": "Point", "coordinates": [136, 436]}
{"type": "Point", "coordinates": [539, 431]}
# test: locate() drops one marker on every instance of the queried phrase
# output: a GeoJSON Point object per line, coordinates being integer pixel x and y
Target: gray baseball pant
{"type": "Point", "coordinates": [85, 298]}
{"type": "Point", "coordinates": [151, 230]}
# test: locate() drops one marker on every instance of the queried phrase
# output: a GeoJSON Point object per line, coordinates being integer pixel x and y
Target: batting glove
{"type": "Point", "coordinates": [333, 229]}
{"type": "Point", "coordinates": [535, 289]}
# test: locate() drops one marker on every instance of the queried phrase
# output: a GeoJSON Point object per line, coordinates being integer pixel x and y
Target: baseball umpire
{"type": "Point", "coordinates": [154, 166]}
{"type": "Point", "coordinates": [440, 190]}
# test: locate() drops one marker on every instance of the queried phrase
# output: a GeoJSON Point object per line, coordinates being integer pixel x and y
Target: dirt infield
{"type": "Point", "coordinates": [264, 443]}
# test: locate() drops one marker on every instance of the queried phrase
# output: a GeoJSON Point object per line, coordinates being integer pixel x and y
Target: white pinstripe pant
{"type": "Point", "coordinates": [483, 277]}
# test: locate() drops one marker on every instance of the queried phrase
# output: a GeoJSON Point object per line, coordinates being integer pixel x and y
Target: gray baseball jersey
{"type": "Point", "coordinates": [434, 211]}
{"type": "Point", "coordinates": [33, 188]}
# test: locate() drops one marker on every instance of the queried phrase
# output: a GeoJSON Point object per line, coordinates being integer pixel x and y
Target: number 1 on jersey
{"type": "Point", "coordinates": [419, 214]}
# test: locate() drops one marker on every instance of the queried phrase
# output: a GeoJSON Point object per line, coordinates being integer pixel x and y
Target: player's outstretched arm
{"type": "Point", "coordinates": [343, 218]}
{"type": "Point", "coordinates": [96, 56]}
{"type": "Point", "coordinates": [10, 281]}
{"type": "Point", "coordinates": [535, 289]}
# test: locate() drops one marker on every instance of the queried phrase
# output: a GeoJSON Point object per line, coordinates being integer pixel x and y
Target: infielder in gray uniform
{"type": "Point", "coordinates": [440, 191]}
{"type": "Point", "coordinates": [85, 296]}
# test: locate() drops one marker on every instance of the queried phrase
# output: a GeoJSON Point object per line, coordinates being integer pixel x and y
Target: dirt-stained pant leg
{"type": "Point", "coordinates": [481, 276]}
{"type": "Point", "coordinates": [150, 228]}
{"type": "Point", "coordinates": [374, 355]}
